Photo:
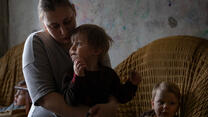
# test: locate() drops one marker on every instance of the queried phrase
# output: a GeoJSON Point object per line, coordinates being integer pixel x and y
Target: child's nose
{"type": "Point", "coordinates": [72, 48]}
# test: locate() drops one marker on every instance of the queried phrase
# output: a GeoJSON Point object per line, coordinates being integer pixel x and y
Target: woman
{"type": "Point", "coordinates": [46, 60]}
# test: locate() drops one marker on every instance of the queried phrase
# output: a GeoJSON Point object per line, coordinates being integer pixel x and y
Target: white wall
{"type": "Point", "coordinates": [23, 19]}
{"type": "Point", "coordinates": [131, 23]}
{"type": "Point", "coordinates": [134, 23]}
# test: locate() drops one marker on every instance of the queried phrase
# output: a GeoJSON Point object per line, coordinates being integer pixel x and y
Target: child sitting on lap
{"type": "Point", "coordinates": [92, 82]}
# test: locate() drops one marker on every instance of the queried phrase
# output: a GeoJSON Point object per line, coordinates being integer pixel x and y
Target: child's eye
{"type": "Point", "coordinates": [172, 103]}
{"type": "Point", "coordinates": [77, 43]}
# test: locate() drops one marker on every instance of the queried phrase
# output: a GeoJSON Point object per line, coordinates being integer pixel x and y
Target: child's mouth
{"type": "Point", "coordinates": [164, 114]}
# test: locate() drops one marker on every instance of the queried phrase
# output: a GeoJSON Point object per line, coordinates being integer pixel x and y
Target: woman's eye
{"type": "Point", "coordinates": [54, 26]}
{"type": "Point", "coordinates": [67, 22]}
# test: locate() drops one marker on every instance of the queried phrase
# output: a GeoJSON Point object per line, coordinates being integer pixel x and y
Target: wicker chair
{"type": "Point", "coordinates": [179, 59]}
{"type": "Point", "coordinates": [10, 73]}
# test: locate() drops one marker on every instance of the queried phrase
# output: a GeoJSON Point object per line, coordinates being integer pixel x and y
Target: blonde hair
{"type": "Point", "coordinates": [167, 86]}
{"type": "Point", "coordinates": [96, 37]}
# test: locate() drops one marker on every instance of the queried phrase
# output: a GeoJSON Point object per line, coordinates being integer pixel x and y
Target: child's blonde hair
{"type": "Point", "coordinates": [167, 86]}
{"type": "Point", "coordinates": [96, 37]}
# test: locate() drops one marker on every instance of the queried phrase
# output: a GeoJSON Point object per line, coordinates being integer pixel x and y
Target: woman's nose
{"type": "Point", "coordinates": [64, 31]}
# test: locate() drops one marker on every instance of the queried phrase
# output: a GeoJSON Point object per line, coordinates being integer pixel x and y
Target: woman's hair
{"type": "Point", "coordinates": [96, 37]}
{"type": "Point", "coordinates": [50, 5]}
{"type": "Point", "coordinates": [167, 86]}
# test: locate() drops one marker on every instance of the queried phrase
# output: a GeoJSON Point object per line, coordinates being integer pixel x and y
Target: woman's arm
{"type": "Point", "coordinates": [41, 82]}
{"type": "Point", "coordinates": [55, 103]}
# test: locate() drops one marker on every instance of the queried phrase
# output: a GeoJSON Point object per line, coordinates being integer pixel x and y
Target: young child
{"type": "Point", "coordinates": [92, 82]}
{"type": "Point", "coordinates": [165, 100]}
{"type": "Point", "coordinates": [19, 98]}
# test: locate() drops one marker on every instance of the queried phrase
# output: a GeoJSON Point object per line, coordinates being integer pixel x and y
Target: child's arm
{"type": "Point", "coordinates": [72, 89]}
{"type": "Point", "coordinates": [71, 84]}
{"type": "Point", "coordinates": [125, 92]}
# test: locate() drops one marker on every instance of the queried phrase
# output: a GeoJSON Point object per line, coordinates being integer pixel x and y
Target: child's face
{"type": "Point", "coordinates": [81, 49]}
{"type": "Point", "coordinates": [165, 104]}
{"type": "Point", "coordinates": [20, 97]}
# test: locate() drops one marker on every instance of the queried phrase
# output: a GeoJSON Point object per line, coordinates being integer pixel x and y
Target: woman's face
{"type": "Point", "coordinates": [60, 23]}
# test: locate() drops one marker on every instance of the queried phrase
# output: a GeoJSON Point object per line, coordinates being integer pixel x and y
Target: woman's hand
{"type": "Point", "coordinates": [79, 67]}
{"type": "Point", "coordinates": [105, 110]}
{"type": "Point", "coordinates": [55, 103]}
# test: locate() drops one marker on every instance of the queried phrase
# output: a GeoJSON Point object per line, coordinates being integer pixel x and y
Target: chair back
{"type": "Point", "coordinates": [182, 60]}
{"type": "Point", "coordinates": [10, 73]}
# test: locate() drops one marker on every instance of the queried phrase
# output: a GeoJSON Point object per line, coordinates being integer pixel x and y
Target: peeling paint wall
{"type": "Point", "coordinates": [23, 19]}
{"type": "Point", "coordinates": [131, 23]}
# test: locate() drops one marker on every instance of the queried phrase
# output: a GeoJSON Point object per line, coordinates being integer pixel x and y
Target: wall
{"type": "Point", "coordinates": [131, 23]}
{"type": "Point", "coordinates": [23, 19]}
{"type": "Point", "coordinates": [4, 26]}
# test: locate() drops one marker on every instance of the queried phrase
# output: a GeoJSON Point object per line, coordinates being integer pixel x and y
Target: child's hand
{"type": "Point", "coordinates": [79, 67]}
{"type": "Point", "coordinates": [135, 78]}
{"type": "Point", "coordinates": [105, 110]}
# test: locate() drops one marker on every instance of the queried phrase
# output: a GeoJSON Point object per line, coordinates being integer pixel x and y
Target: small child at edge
{"type": "Point", "coordinates": [165, 100]}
